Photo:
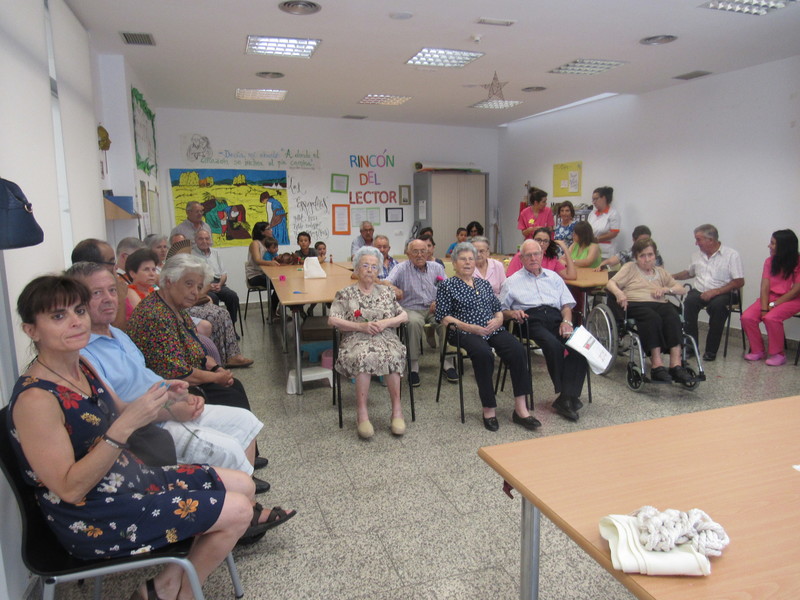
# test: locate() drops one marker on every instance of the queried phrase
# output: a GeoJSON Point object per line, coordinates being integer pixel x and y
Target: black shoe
{"type": "Point", "coordinates": [413, 377]}
{"type": "Point", "coordinates": [575, 403]}
{"type": "Point", "coordinates": [451, 374]}
{"type": "Point", "coordinates": [660, 375]}
{"type": "Point", "coordinates": [260, 462]}
{"type": "Point", "coordinates": [709, 356]}
{"type": "Point", "coordinates": [491, 423]}
{"type": "Point", "coordinates": [529, 422]}
{"type": "Point", "coordinates": [562, 407]}
{"type": "Point", "coordinates": [261, 485]}
{"type": "Point", "coordinates": [680, 375]}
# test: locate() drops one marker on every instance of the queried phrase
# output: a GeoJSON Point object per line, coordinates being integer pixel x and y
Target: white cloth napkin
{"type": "Point", "coordinates": [312, 269]}
{"type": "Point", "coordinates": [628, 553]}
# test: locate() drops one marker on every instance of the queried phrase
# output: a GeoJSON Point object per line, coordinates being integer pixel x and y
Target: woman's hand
{"type": "Point", "coordinates": [659, 292]}
{"type": "Point", "coordinates": [142, 411]}
{"type": "Point", "coordinates": [495, 323]}
{"type": "Point", "coordinates": [562, 244]}
{"type": "Point", "coordinates": [223, 377]}
{"type": "Point", "coordinates": [622, 300]}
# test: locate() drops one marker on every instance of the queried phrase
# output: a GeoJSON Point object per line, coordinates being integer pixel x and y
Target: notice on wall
{"type": "Point", "coordinates": [567, 179]}
{"type": "Point", "coordinates": [311, 211]}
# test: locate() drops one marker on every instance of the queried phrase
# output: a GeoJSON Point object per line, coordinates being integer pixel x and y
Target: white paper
{"type": "Point", "coordinates": [312, 269]}
{"type": "Point", "coordinates": [422, 211]}
{"type": "Point", "coordinates": [584, 342]}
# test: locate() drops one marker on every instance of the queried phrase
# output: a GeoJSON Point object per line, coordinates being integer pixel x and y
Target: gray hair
{"type": "Point", "coordinates": [202, 231]}
{"type": "Point", "coordinates": [154, 239]}
{"type": "Point", "coordinates": [479, 238]}
{"type": "Point", "coordinates": [708, 230]}
{"type": "Point", "coordinates": [128, 245]}
{"type": "Point", "coordinates": [366, 251]}
{"type": "Point", "coordinates": [365, 223]}
{"type": "Point", "coordinates": [84, 269]}
{"type": "Point", "coordinates": [192, 203]}
{"type": "Point", "coordinates": [464, 247]}
{"type": "Point", "coordinates": [179, 265]}
{"type": "Point", "coordinates": [381, 237]}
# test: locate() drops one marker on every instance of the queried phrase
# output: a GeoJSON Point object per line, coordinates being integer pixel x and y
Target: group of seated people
{"type": "Point", "coordinates": [150, 440]}
{"type": "Point", "coordinates": [534, 292]}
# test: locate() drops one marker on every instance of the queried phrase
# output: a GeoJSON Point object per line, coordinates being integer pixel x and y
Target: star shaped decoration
{"type": "Point", "coordinates": [495, 88]}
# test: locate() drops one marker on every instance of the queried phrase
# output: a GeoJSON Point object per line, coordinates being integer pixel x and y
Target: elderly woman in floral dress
{"type": "Point", "coordinates": [366, 313]}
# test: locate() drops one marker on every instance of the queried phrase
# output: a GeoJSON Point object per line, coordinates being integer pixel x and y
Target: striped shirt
{"type": "Point", "coordinates": [418, 285]}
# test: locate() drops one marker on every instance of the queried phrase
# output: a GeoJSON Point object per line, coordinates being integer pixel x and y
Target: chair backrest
{"type": "Point", "coordinates": [42, 553]}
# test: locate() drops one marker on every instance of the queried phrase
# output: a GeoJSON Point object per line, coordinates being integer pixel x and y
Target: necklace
{"type": "Point", "coordinates": [75, 387]}
{"type": "Point", "coordinates": [647, 277]}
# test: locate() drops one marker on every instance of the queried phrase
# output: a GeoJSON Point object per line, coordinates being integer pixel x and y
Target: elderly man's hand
{"type": "Point", "coordinates": [708, 295]}
{"type": "Point", "coordinates": [565, 329]}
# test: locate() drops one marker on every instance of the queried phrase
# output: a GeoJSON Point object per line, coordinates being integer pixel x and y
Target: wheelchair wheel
{"type": "Point", "coordinates": [692, 385]}
{"type": "Point", "coordinates": [603, 326]}
{"type": "Point", "coordinates": [634, 377]}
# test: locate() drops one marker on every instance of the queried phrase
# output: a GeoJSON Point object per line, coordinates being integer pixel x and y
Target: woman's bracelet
{"type": "Point", "coordinates": [215, 368]}
{"type": "Point", "coordinates": [114, 443]}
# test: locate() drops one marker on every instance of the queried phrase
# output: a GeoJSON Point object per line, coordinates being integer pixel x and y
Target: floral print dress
{"type": "Point", "coordinates": [360, 352]}
{"type": "Point", "coordinates": [133, 508]}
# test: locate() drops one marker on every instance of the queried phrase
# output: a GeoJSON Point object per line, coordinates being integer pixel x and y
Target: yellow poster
{"type": "Point", "coordinates": [567, 179]}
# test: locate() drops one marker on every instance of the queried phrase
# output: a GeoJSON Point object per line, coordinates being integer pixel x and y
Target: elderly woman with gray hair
{"type": "Point", "coordinates": [367, 313]}
{"type": "Point", "coordinates": [164, 331]}
{"type": "Point", "coordinates": [468, 303]}
{"type": "Point", "coordinates": [490, 269]}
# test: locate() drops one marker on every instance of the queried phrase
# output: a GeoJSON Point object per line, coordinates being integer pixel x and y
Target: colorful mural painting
{"type": "Point", "coordinates": [233, 201]}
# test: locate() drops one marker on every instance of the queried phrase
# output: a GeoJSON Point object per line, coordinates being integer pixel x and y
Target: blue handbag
{"type": "Point", "coordinates": [18, 227]}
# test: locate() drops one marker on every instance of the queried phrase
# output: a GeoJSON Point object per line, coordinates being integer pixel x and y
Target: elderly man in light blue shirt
{"type": "Point", "coordinates": [222, 436]}
{"type": "Point", "coordinates": [538, 299]}
{"type": "Point", "coordinates": [418, 278]}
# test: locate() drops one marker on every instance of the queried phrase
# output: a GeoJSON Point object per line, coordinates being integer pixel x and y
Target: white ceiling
{"type": "Point", "coordinates": [199, 61]}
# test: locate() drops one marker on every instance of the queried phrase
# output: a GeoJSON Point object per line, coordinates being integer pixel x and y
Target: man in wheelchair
{"type": "Point", "coordinates": [640, 288]}
{"type": "Point", "coordinates": [539, 300]}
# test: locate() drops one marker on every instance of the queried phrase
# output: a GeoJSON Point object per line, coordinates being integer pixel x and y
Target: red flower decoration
{"type": "Point", "coordinates": [153, 488]}
{"type": "Point", "coordinates": [357, 314]}
{"type": "Point", "coordinates": [439, 278]}
{"type": "Point", "coordinates": [187, 469]}
{"type": "Point", "coordinates": [65, 394]}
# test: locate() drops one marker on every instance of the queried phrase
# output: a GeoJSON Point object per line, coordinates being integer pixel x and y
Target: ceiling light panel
{"type": "Point", "coordinates": [496, 104]}
{"type": "Point", "coordinates": [260, 94]}
{"type": "Point", "coordinates": [587, 66]}
{"type": "Point", "coordinates": [748, 7]}
{"type": "Point", "coordinates": [442, 57]}
{"type": "Point", "coordinates": [384, 99]}
{"type": "Point", "coordinates": [498, 22]}
{"type": "Point", "coordinates": [281, 46]}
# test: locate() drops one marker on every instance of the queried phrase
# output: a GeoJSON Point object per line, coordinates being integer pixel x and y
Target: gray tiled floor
{"type": "Point", "coordinates": [422, 517]}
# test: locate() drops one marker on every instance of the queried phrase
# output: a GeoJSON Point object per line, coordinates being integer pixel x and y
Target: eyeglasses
{"type": "Point", "coordinates": [542, 241]}
{"type": "Point", "coordinates": [417, 252]}
{"type": "Point", "coordinates": [531, 255]}
{"type": "Point", "coordinates": [366, 267]}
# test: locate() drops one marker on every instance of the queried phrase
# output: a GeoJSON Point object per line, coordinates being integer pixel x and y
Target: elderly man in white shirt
{"type": "Point", "coordinates": [718, 274]}
{"type": "Point", "coordinates": [539, 298]}
{"type": "Point", "coordinates": [219, 291]}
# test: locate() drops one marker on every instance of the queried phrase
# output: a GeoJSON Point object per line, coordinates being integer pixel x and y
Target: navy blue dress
{"type": "Point", "coordinates": [134, 508]}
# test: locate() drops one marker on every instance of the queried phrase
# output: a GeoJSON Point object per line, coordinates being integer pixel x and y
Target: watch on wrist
{"type": "Point", "coordinates": [568, 322]}
{"type": "Point", "coordinates": [771, 305]}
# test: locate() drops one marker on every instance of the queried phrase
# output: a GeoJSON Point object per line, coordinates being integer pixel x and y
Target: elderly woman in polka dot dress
{"type": "Point", "coordinates": [469, 303]}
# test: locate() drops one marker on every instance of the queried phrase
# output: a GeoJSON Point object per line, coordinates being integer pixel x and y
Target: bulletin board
{"type": "Point", "coordinates": [567, 179]}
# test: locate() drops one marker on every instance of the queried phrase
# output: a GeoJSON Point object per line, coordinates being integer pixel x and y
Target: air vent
{"type": "Point", "coordinates": [299, 7]}
{"type": "Point", "coordinates": [692, 75]}
{"type": "Point", "coordinates": [138, 39]}
{"type": "Point", "coordinates": [355, 117]}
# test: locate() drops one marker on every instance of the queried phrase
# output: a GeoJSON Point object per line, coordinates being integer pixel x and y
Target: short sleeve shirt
{"type": "Point", "coordinates": [717, 270]}
{"type": "Point", "coordinates": [475, 305]}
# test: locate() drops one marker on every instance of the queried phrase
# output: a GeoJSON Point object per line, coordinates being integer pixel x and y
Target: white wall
{"type": "Point", "coordinates": [723, 149]}
{"type": "Point", "coordinates": [334, 140]}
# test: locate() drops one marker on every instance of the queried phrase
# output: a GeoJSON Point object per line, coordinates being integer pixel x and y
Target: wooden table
{"type": "Point", "coordinates": [734, 463]}
{"type": "Point", "coordinates": [295, 291]}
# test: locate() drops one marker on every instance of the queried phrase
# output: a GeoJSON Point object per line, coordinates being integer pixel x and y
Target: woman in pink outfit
{"type": "Point", "coordinates": [780, 298]}
{"type": "Point", "coordinates": [537, 215]}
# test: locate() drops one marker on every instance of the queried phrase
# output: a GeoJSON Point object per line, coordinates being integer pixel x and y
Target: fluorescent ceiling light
{"type": "Point", "coordinates": [586, 66]}
{"type": "Point", "coordinates": [442, 57]}
{"type": "Point", "coordinates": [748, 7]}
{"type": "Point", "coordinates": [496, 104]}
{"type": "Point", "coordinates": [256, 94]}
{"type": "Point", "coordinates": [385, 99]}
{"type": "Point", "coordinates": [281, 46]}
{"type": "Point", "coordinates": [571, 105]}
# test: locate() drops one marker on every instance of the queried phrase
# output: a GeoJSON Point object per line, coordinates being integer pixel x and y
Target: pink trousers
{"type": "Point", "coordinates": [773, 321]}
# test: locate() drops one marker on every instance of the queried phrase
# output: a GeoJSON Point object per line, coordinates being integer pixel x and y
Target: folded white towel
{"type": "Point", "coordinates": [629, 555]}
{"type": "Point", "coordinates": [312, 269]}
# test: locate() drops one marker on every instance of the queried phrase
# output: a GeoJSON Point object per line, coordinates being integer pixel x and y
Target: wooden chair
{"type": "Point", "coordinates": [44, 556]}
{"type": "Point", "coordinates": [402, 332]}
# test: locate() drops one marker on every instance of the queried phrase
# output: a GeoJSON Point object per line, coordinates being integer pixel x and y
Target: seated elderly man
{"type": "Point", "coordinates": [125, 248]}
{"type": "Point", "coordinates": [718, 273]}
{"type": "Point", "coordinates": [218, 291]}
{"type": "Point", "coordinates": [221, 436]}
{"type": "Point", "coordinates": [539, 299]}
{"type": "Point", "coordinates": [193, 224]}
{"type": "Point", "coordinates": [364, 239]}
{"type": "Point", "coordinates": [388, 262]}
{"type": "Point", "coordinates": [417, 278]}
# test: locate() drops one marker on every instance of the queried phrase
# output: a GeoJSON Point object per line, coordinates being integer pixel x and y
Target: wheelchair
{"type": "Point", "coordinates": [610, 324]}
